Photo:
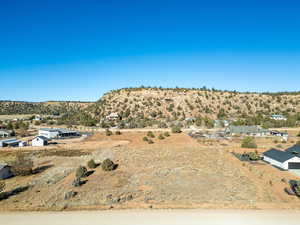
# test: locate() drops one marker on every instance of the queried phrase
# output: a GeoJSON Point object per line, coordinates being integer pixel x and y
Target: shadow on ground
{"type": "Point", "coordinates": [16, 191]}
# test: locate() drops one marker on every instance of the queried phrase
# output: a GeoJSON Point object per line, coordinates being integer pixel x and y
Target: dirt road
{"type": "Point", "coordinates": [150, 217]}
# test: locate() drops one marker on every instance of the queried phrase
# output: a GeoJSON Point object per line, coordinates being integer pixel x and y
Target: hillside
{"type": "Point", "coordinates": [178, 104]}
{"type": "Point", "coordinates": [164, 107]}
{"type": "Point", "coordinates": [47, 108]}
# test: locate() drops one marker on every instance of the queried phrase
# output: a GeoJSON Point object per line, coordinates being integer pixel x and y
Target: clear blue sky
{"type": "Point", "coordinates": [78, 50]}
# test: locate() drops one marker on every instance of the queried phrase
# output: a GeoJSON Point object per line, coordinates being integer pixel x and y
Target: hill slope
{"type": "Point", "coordinates": [193, 103]}
{"type": "Point", "coordinates": [47, 108]}
{"type": "Point", "coordinates": [178, 104]}
{"type": "Point", "coordinates": [162, 107]}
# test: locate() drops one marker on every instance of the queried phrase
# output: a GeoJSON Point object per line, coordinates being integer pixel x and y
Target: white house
{"type": "Point", "coordinates": [9, 143]}
{"type": "Point", "coordinates": [40, 141]}
{"type": "Point", "coordinates": [5, 171]}
{"type": "Point", "coordinates": [278, 117]}
{"type": "Point", "coordinates": [221, 123]}
{"type": "Point", "coordinates": [48, 133]}
{"type": "Point", "coordinates": [295, 149]}
{"type": "Point", "coordinates": [51, 133]}
{"type": "Point", "coordinates": [281, 159]}
{"type": "Point", "coordinates": [284, 136]}
{"type": "Point", "coordinates": [113, 116]}
{"type": "Point", "coordinates": [22, 143]}
{"type": "Point", "coordinates": [38, 118]}
{"type": "Point", "coordinates": [5, 133]}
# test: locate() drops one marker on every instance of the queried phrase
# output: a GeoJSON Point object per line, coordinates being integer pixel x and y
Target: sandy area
{"type": "Point", "coordinates": [150, 217]}
{"type": "Point", "coordinates": [177, 172]}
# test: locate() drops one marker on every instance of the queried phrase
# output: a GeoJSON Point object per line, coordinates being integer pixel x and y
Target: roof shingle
{"type": "Point", "coordinates": [278, 155]}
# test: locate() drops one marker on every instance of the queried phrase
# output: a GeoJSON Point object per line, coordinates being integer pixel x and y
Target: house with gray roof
{"type": "Point", "coordinates": [9, 143]}
{"type": "Point", "coordinates": [53, 133]}
{"type": "Point", "coordinates": [282, 159]}
{"type": "Point", "coordinates": [294, 150]}
{"type": "Point", "coordinates": [246, 130]}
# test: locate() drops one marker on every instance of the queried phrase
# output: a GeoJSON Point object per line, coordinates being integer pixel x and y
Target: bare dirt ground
{"type": "Point", "coordinates": [11, 117]}
{"type": "Point", "coordinates": [177, 172]}
{"type": "Point", "coordinates": [158, 217]}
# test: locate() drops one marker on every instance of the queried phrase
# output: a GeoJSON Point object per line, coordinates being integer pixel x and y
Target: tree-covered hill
{"type": "Point", "coordinates": [43, 108]}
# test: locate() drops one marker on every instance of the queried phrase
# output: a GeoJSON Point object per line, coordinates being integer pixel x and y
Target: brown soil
{"type": "Point", "coordinates": [177, 172]}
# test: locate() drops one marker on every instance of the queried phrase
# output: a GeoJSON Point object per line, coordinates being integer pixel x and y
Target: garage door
{"type": "Point", "coordinates": [294, 165]}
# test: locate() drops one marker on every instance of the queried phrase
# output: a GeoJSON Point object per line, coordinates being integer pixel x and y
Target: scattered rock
{"type": "Point", "coordinates": [119, 199]}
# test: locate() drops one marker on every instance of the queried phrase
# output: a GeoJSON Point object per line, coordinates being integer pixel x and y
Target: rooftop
{"type": "Point", "coordinates": [279, 132]}
{"type": "Point", "coordinates": [49, 129]}
{"type": "Point", "coordinates": [294, 149]}
{"type": "Point", "coordinates": [3, 166]}
{"type": "Point", "coordinates": [5, 131]}
{"type": "Point", "coordinates": [42, 137]}
{"type": "Point", "coordinates": [60, 130]}
{"type": "Point", "coordinates": [278, 155]}
{"type": "Point", "coordinates": [10, 141]}
{"type": "Point", "coordinates": [246, 129]}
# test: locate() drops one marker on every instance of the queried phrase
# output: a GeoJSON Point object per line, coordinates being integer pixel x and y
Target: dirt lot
{"type": "Point", "coordinates": [177, 172]}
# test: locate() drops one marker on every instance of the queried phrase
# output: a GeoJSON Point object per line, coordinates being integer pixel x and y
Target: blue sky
{"type": "Point", "coordinates": [78, 50]}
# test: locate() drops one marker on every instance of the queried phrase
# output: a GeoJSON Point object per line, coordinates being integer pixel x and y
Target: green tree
{"type": "Point", "coordinates": [249, 142]}
{"type": "Point", "coordinates": [176, 129]}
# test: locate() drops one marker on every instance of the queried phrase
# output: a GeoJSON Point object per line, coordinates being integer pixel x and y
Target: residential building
{"type": "Point", "coordinates": [246, 130]}
{"type": "Point", "coordinates": [190, 119]}
{"type": "Point", "coordinates": [22, 143]}
{"type": "Point", "coordinates": [40, 141]}
{"type": "Point", "coordinates": [51, 133]}
{"type": "Point", "coordinates": [278, 117]}
{"type": "Point", "coordinates": [113, 116]}
{"type": "Point", "coordinates": [294, 150]}
{"type": "Point", "coordinates": [48, 133]}
{"type": "Point", "coordinates": [284, 136]}
{"type": "Point", "coordinates": [221, 123]}
{"type": "Point", "coordinates": [5, 133]}
{"type": "Point", "coordinates": [9, 143]}
{"type": "Point", "coordinates": [38, 118]}
{"type": "Point", "coordinates": [282, 159]}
